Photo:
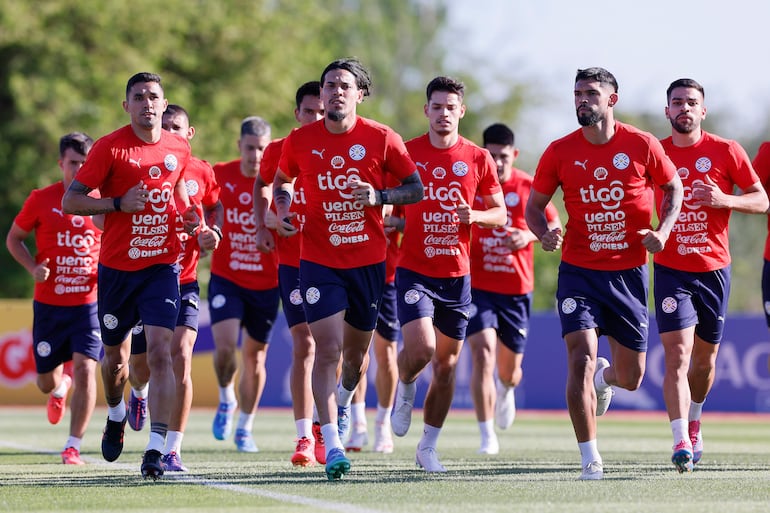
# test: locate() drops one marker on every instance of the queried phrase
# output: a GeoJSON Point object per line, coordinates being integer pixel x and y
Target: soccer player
{"type": "Point", "coordinates": [202, 190]}
{"type": "Point", "coordinates": [433, 270]}
{"type": "Point", "coordinates": [243, 291]}
{"type": "Point", "coordinates": [138, 170]}
{"type": "Point", "coordinates": [310, 445]}
{"type": "Point", "coordinates": [692, 273]}
{"type": "Point", "coordinates": [606, 170]}
{"type": "Point", "coordinates": [343, 161]}
{"type": "Point", "coordinates": [761, 164]}
{"type": "Point", "coordinates": [65, 326]}
{"type": "Point", "coordinates": [502, 280]}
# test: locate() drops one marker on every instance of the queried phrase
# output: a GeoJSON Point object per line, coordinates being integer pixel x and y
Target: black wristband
{"type": "Point", "coordinates": [384, 197]}
{"type": "Point", "coordinates": [116, 203]}
{"type": "Point", "coordinates": [214, 228]}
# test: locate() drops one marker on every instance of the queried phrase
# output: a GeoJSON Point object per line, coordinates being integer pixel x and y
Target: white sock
{"type": "Point", "coordinates": [679, 430]}
{"type": "Point", "coordinates": [358, 414]}
{"type": "Point", "coordinates": [227, 394]}
{"type": "Point", "coordinates": [61, 390]}
{"type": "Point", "coordinates": [117, 413]}
{"type": "Point", "coordinates": [589, 452]}
{"type": "Point", "coordinates": [331, 437]}
{"type": "Point", "coordinates": [429, 437]}
{"type": "Point", "coordinates": [696, 409]}
{"type": "Point", "coordinates": [173, 442]}
{"type": "Point", "coordinates": [383, 414]}
{"type": "Point", "coordinates": [344, 396]}
{"type": "Point", "coordinates": [157, 441]}
{"type": "Point", "coordinates": [246, 421]}
{"type": "Point", "coordinates": [141, 393]}
{"type": "Point", "coordinates": [487, 429]}
{"type": "Point", "coordinates": [304, 428]}
{"type": "Point", "coordinates": [73, 442]}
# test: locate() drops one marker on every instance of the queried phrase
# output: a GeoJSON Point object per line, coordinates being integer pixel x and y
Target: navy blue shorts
{"type": "Point", "coordinates": [684, 299]}
{"type": "Point", "coordinates": [188, 316]}
{"type": "Point", "coordinates": [126, 297]}
{"type": "Point", "coordinates": [446, 300]}
{"type": "Point", "coordinates": [766, 290]}
{"type": "Point", "coordinates": [256, 309]}
{"type": "Point", "coordinates": [291, 297]}
{"type": "Point", "coordinates": [59, 331]}
{"type": "Point", "coordinates": [357, 291]}
{"type": "Point", "coordinates": [508, 314]}
{"type": "Point", "coordinates": [387, 320]}
{"type": "Point", "coordinates": [615, 302]}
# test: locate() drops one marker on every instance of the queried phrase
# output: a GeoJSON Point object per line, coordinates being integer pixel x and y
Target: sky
{"type": "Point", "coordinates": [724, 45]}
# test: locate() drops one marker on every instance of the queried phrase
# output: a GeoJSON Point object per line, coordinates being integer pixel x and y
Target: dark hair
{"type": "Point", "coordinates": [600, 75]}
{"type": "Point", "coordinates": [254, 125]}
{"type": "Point", "coordinates": [312, 88]}
{"type": "Point", "coordinates": [142, 77]}
{"type": "Point", "coordinates": [77, 141]}
{"type": "Point", "coordinates": [174, 110]}
{"type": "Point", "coordinates": [684, 82]}
{"type": "Point", "coordinates": [363, 80]}
{"type": "Point", "coordinates": [445, 84]}
{"type": "Point", "coordinates": [498, 133]}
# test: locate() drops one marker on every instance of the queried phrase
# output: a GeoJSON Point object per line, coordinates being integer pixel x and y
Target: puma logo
{"type": "Point", "coordinates": [423, 165]}
{"type": "Point", "coordinates": [582, 164]}
{"type": "Point", "coordinates": [171, 302]}
{"type": "Point", "coordinates": [230, 186]}
{"type": "Point", "coordinates": [137, 162]}
{"type": "Point", "coordinates": [320, 153]}
{"type": "Point", "coordinates": [58, 211]}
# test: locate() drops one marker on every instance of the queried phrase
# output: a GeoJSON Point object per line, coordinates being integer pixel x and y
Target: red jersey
{"type": "Point", "coordinates": [761, 165]}
{"type": "Point", "coordinates": [339, 232]}
{"type": "Point", "coordinates": [287, 247]}
{"type": "Point", "coordinates": [237, 258]}
{"type": "Point", "coordinates": [394, 248]}
{"type": "Point", "coordinates": [435, 243]}
{"type": "Point", "coordinates": [203, 191]}
{"type": "Point", "coordinates": [494, 266]}
{"type": "Point", "coordinates": [608, 195]}
{"type": "Point", "coordinates": [71, 244]}
{"type": "Point", "coordinates": [119, 161]}
{"type": "Point", "coordinates": [699, 239]}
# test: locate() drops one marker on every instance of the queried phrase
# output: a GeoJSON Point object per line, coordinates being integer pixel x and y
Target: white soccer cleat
{"type": "Point", "coordinates": [594, 471]}
{"type": "Point", "coordinates": [383, 440]}
{"type": "Point", "coordinates": [505, 406]}
{"type": "Point", "coordinates": [358, 438]}
{"type": "Point", "coordinates": [428, 459]}
{"type": "Point", "coordinates": [402, 412]}
{"type": "Point", "coordinates": [603, 398]}
{"type": "Point", "coordinates": [490, 446]}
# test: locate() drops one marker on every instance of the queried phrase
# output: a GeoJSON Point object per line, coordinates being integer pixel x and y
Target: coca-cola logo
{"type": "Point", "coordinates": [449, 240]}
{"type": "Point", "coordinates": [354, 227]}
{"type": "Point", "coordinates": [607, 237]}
{"type": "Point", "coordinates": [17, 361]}
{"type": "Point", "coordinates": [151, 242]}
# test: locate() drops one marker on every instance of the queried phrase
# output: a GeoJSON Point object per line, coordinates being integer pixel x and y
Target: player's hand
{"type": "Point", "coordinates": [208, 239]}
{"type": "Point", "coordinates": [363, 192]}
{"type": "Point", "coordinates": [271, 220]}
{"type": "Point", "coordinates": [393, 224]}
{"type": "Point", "coordinates": [42, 271]}
{"type": "Point", "coordinates": [652, 240]}
{"type": "Point", "coordinates": [551, 240]}
{"type": "Point", "coordinates": [264, 238]}
{"type": "Point", "coordinates": [464, 211]}
{"type": "Point", "coordinates": [285, 227]}
{"type": "Point", "coordinates": [517, 238]}
{"type": "Point", "coordinates": [708, 194]}
{"type": "Point", "coordinates": [191, 220]}
{"type": "Point", "coordinates": [133, 199]}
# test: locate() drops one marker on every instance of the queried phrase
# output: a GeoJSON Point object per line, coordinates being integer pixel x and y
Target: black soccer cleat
{"type": "Point", "coordinates": [152, 465]}
{"type": "Point", "coordinates": [112, 439]}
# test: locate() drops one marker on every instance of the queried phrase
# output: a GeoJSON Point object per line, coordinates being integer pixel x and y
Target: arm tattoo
{"type": "Point", "coordinates": [282, 197]}
{"type": "Point", "coordinates": [410, 191]}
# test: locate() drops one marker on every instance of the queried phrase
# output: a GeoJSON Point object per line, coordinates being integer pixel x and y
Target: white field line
{"type": "Point", "coordinates": [191, 479]}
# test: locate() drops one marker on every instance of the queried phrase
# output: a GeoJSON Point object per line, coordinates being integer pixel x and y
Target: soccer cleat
{"type": "Point", "coordinates": [71, 456]}
{"type": "Point", "coordinates": [58, 405]}
{"type": "Point", "coordinates": [320, 446]}
{"type": "Point", "coordinates": [172, 462]}
{"type": "Point", "coordinates": [383, 440]}
{"type": "Point", "coordinates": [604, 397]}
{"type": "Point", "coordinates": [343, 422]}
{"type": "Point", "coordinates": [593, 471]}
{"type": "Point", "coordinates": [505, 406]}
{"type": "Point", "coordinates": [112, 439]}
{"type": "Point", "coordinates": [337, 464]}
{"type": "Point", "coordinates": [682, 457]}
{"type": "Point", "coordinates": [696, 438]}
{"type": "Point", "coordinates": [223, 421]}
{"type": "Point", "coordinates": [358, 438]}
{"type": "Point", "coordinates": [401, 418]}
{"type": "Point", "coordinates": [490, 446]}
{"type": "Point", "coordinates": [427, 459]}
{"type": "Point", "coordinates": [137, 411]}
{"type": "Point", "coordinates": [152, 465]}
{"type": "Point", "coordinates": [244, 441]}
{"type": "Point", "coordinates": [303, 455]}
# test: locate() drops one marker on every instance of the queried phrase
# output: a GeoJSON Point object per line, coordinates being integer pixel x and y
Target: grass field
{"type": "Point", "coordinates": [536, 469]}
